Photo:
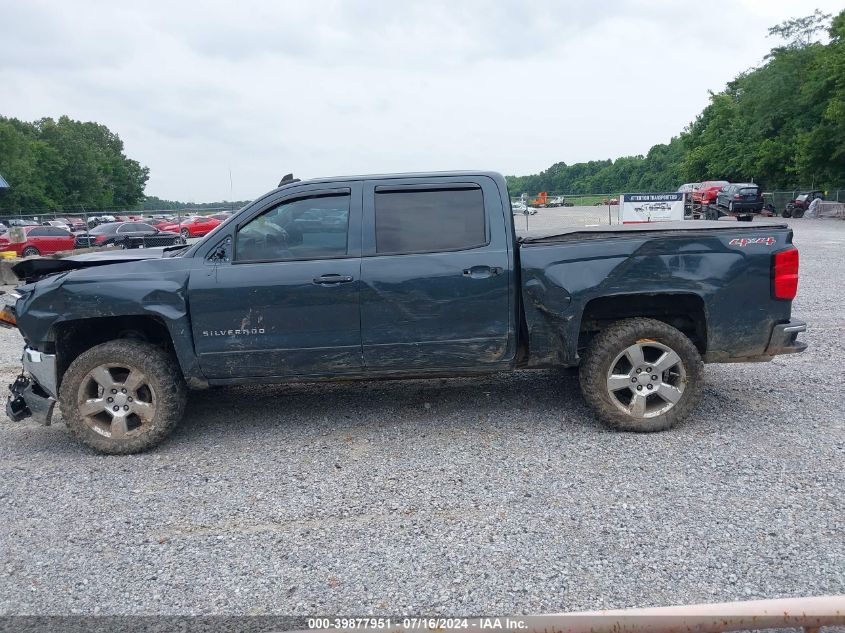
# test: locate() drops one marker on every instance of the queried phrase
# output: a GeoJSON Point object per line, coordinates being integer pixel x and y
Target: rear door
{"type": "Point", "coordinates": [61, 239]}
{"type": "Point", "coordinates": [276, 295]}
{"type": "Point", "coordinates": [436, 275]}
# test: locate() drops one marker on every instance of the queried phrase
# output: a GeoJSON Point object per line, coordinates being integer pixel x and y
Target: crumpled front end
{"type": "Point", "coordinates": [34, 393]}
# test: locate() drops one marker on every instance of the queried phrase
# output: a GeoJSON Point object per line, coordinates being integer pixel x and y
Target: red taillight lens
{"type": "Point", "coordinates": [100, 239]}
{"type": "Point", "coordinates": [785, 274]}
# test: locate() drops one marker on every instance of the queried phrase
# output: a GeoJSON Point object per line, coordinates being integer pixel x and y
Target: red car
{"type": "Point", "coordinates": [40, 240]}
{"type": "Point", "coordinates": [706, 193]}
{"type": "Point", "coordinates": [196, 226]}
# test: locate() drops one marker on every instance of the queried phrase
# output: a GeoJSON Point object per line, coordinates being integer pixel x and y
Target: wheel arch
{"type": "Point", "coordinates": [74, 337]}
{"type": "Point", "coordinates": [684, 311]}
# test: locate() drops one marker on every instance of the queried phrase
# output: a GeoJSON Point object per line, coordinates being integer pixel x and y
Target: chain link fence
{"type": "Point", "coordinates": [83, 219]}
{"type": "Point", "coordinates": [779, 199]}
{"type": "Point", "coordinates": [536, 210]}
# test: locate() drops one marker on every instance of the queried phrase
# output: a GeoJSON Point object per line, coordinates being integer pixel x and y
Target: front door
{"type": "Point", "coordinates": [436, 276]}
{"type": "Point", "coordinates": [278, 295]}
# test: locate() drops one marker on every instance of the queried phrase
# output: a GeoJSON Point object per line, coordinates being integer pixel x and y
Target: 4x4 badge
{"type": "Point", "coordinates": [745, 241]}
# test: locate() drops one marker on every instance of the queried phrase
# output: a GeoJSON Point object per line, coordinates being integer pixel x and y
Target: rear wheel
{"type": "Point", "coordinates": [641, 375]}
{"type": "Point", "coordinates": [30, 251]}
{"type": "Point", "coordinates": [122, 397]}
{"type": "Point", "coordinates": [798, 213]}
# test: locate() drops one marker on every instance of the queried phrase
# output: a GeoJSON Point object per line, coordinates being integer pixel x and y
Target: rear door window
{"type": "Point", "coordinates": [429, 220]}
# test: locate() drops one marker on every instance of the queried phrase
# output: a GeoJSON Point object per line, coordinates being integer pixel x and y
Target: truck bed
{"type": "Point", "coordinates": [579, 233]}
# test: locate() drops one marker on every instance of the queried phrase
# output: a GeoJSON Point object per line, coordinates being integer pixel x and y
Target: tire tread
{"type": "Point", "coordinates": [157, 364]}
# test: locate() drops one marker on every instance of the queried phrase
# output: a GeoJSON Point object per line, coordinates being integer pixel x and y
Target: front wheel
{"type": "Point", "coordinates": [185, 234]}
{"type": "Point", "coordinates": [122, 397]}
{"type": "Point", "coordinates": [30, 251]}
{"type": "Point", "coordinates": [641, 375]}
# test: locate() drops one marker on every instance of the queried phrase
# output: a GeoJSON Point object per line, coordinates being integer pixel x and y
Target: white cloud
{"type": "Point", "coordinates": [324, 88]}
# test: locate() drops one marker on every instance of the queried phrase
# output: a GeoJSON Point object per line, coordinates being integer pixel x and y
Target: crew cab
{"type": "Point", "coordinates": [398, 276]}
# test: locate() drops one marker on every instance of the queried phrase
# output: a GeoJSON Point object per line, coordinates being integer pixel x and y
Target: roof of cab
{"type": "Point", "coordinates": [412, 174]}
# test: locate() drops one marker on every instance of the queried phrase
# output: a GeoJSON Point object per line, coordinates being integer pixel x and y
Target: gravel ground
{"type": "Point", "coordinates": [460, 496]}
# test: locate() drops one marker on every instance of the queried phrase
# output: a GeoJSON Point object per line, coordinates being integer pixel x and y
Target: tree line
{"type": "Point", "coordinates": [154, 203]}
{"type": "Point", "coordinates": [64, 164]}
{"type": "Point", "coordinates": [781, 125]}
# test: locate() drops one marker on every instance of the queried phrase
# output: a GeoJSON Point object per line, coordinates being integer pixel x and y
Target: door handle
{"type": "Point", "coordinates": [483, 272]}
{"type": "Point", "coordinates": [323, 280]}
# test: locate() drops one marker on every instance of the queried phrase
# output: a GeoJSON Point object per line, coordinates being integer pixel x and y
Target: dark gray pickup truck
{"type": "Point", "coordinates": [396, 276]}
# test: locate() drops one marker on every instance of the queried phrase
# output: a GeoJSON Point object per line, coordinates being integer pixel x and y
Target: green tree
{"type": "Point", "coordinates": [66, 163]}
{"type": "Point", "coordinates": [781, 125]}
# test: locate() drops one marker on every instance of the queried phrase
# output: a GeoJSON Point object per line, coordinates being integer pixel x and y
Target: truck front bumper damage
{"type": "Point", "coordinates": [34, 395]}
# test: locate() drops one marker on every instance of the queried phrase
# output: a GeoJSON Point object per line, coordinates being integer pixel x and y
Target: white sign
{"type": "Point", "coordinates": [638, 208]}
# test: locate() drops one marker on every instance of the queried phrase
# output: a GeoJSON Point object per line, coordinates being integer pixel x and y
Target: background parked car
{"type": "Point", "coordinates": [62, 224]}
{"type": "Point", "coordinates": [799, 206]}
{"type": "Point", "coordinates": [100, 219]}
{"type": "Point", "coordinates": [195, 226]}
{"type": "Point", "coordinates": [23, 223]}
{"type": "Point", "coordinates": [77, 224]}
{"type": "Point", "coordinates": [40, 240]}
{"type": "Point", "coordinates": [706, 193]}
{"type": "Point", "coordinates": [127, 235]}
{"type": "Point", "coordinates": [689, 187]}
{"type": "Point", "coordinates": [158, 222]}
{"type": "Point", "coordinates": [741, 199]}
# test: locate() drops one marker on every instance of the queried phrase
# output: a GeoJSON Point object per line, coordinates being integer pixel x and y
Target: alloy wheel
{"type": "Point", "coordinates": [117, 401]}
{"type": "Point", "coordinates": [646, 379]}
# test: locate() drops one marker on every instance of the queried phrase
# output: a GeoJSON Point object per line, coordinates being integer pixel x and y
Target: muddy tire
{"type": "Point", "coordinates": [122, 397]}
{"type": "Point", "coordinates": [641, 375]}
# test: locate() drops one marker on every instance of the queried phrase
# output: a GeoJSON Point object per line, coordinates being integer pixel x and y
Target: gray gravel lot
{"type": "Point", "coordinates": [461, 496]}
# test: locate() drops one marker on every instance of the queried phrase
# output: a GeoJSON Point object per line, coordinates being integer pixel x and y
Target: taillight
{"type": "Point", "coordinates": [737, 196]}
{"type": "Point", "coordinates": [100, 239]}
{"type": "Point", "coordinates": [785, 274]}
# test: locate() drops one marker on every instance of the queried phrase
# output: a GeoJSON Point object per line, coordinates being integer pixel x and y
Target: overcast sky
{"type": "Point", "coordinates": [329, 88]}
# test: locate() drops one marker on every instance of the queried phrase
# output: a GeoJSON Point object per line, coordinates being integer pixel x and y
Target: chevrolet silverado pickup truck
{"type": "Point", "coordinates": [397, 276]}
